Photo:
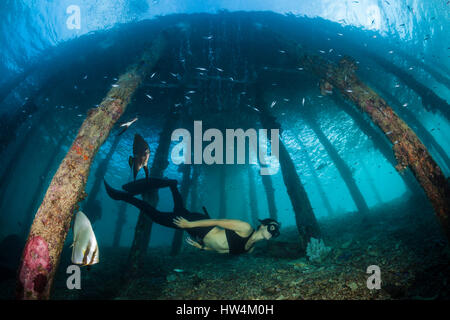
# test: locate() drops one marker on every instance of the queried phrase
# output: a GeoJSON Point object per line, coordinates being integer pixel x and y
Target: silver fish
{"type": "Point", "coordinates": [85, 249]}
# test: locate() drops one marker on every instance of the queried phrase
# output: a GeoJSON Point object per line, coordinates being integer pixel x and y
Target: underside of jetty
{"type": "Point", "coordinates": [241, 100]}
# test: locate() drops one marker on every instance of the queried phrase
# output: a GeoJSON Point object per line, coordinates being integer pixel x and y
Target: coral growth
{"type": "Point", "coordinates": [316, 250]}
{"type": "Point", "coordinates": [35, 268]}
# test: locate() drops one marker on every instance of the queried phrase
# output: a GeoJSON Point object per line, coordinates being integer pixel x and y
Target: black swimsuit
{"type": "Point", "coordinates": [235, 242]}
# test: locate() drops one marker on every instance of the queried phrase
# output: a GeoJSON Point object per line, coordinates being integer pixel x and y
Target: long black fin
{"type": "Point", "coordinates": [206, 212]}
{"type": "Point", "coordinates": [116, 194]}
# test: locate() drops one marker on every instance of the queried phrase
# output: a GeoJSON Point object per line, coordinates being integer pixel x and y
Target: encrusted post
{"type": "Point", "coordinates": [177, 242]}
{"type": "Point", "coordinates": [223, 192]}
{"type": "Point", "coordinates": [144, 224]}
{"type": "Point", "coordinates": [316, 179]}
{"type": "Point", "coordinates": [39, 190]}
{"type": "Point", "coordinates": [270, 195]}
{"type": "Point", "coordinates": [408, 149]}
{"type": "Point", "coordinates": [341, 166]}
{"type": "Point", "coordinates": [92, 208]}
{"type": "Point", "coordinates": [40, 258]}
{"type": "Point", "coordinates": [305, 219]}
{"type": "Point", "coordinates": [253, 198]}
{"type": "Point", "coordinates": [120, 222]}
{"type": "Point", "coordinates": [377, 138]}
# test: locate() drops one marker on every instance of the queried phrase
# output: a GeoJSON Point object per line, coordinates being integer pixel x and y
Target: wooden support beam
{"type": "Point", "coordinates": [144, 224]}
{"type": "Point", "coordinates": [305, 219]}
{"type": "Point", "coordinates": [40, 258]}
{"type": "Point", "coordinates": [408, 149]}
{"type": "Point", "coordinates": [253, 203]}
{"type": "Point", "coordinates": [177, 242]}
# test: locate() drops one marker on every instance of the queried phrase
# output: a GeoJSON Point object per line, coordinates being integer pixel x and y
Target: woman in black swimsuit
{"type": "Point", "coordinates": [220, 235]}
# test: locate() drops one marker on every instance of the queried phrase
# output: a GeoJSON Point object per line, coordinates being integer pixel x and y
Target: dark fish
{"type": "Point", "coordinates": [141, 154]}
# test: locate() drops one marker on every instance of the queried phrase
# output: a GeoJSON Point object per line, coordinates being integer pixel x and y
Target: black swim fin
{"type": "Point", "coordinates": [115, 194]}
{"type": "Point", "coordinates": [206, 212]}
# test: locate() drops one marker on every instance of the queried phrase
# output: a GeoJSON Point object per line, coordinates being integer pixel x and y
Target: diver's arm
{"type": "Point", "coordinates": [235, 225]}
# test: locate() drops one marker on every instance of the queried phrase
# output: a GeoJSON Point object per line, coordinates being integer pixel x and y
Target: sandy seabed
{"type": "Point", "coordinates": [403, 239]}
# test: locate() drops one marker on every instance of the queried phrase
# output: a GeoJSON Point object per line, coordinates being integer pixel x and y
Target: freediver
{"type": "Point", "coordinates": [220, 235]}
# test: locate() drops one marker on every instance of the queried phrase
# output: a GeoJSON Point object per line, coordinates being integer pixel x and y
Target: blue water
{"type": "Point", "coordinates": [68, 71]}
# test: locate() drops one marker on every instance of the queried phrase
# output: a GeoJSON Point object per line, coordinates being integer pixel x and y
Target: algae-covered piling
{"type": "Point", "coordinates": [40, 258]}
{"type": "Point", "coordinates": [408, 149]}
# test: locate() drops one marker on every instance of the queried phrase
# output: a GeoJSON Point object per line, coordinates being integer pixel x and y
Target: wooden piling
{"type": "Point", "coordinates": [41, 255]}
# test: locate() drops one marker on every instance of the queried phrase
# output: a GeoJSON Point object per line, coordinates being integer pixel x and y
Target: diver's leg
{"type": "Point", "coordinates": [177, 199]}
{"type": "Point", "coordinates": [143, 185]}
{"type": "Point", "coordinates": [162, 218]}
{"type": "Point", "coordinates": [127, 197]}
